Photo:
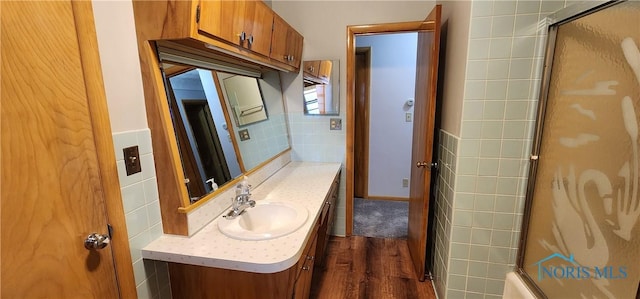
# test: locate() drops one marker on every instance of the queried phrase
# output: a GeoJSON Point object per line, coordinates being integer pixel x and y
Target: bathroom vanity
{"type": "Point", "coordinates": [210, 264]}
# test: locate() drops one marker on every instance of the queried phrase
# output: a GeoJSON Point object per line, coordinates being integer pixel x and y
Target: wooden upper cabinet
{"type": "Point", "coordinates": [247, 24]}
{"type": "Point", "coordinates": [286, 43]}
{"type": "Point", "coordinates": [243, 31]}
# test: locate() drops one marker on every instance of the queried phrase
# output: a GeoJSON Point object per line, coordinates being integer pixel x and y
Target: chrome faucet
{"type": "Point", "coordinates": [241, 202]}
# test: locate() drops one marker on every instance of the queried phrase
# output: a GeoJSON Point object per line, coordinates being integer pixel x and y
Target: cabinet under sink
{"type": "Point", "coordinates": [198, 271]}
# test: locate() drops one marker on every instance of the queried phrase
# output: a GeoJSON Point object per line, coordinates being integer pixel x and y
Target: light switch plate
{"type": "Point", "coordinates": [335, 124]}
{"type": "Point", "coordinates": [132, 160]}
{"type": "Point", "coordinates": [408, 117]}
{"type": "Point", "coordinates": [244, 135]}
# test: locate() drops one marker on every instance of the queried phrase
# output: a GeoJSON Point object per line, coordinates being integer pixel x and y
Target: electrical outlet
{"type": "Point", "coordinates": [405, 182]}
{"type": "Point", "coordinates": [408, 117]}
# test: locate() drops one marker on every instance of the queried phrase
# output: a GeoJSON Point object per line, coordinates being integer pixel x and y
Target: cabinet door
{"type": "Point", "coordinates": [258, 27]}
{"type": "Point", "coordinates": [246, 24]}
{"type": "Point", "coordinates": [286, 43]}
{"type": "Point", "coordinates": [224, 20]}
{"type": "Point", "coordinates": [279, 49]}
{"type": "Point", "coordinates": [294, 47]}
{"type": "Point", "coordinates": [302, 288]}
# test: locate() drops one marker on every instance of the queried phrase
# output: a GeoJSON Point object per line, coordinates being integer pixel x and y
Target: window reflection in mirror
{"type": "Point", "coordinates": [201, 115]}
{"type": "Point", "coordinates": [321, 93]}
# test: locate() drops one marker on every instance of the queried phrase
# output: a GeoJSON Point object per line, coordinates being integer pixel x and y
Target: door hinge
{"type": "Point", "coordinates": [198, 14]}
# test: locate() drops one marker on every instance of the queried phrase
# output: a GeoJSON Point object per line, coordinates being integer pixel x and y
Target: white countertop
{"type": "Point", "coordinates": [305, 183]}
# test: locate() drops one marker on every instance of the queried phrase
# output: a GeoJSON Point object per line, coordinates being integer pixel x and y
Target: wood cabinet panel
{"type": "Point", "coordinates": [216, 26]}
{"type": "Point", "coordinates": [260, 29]}
{"type": "Point", "coordinates": [302, 288]}
{"type": "Point", "coordinates": [190, 281]}
{"type": "Point", "coordinates": [286, 43]}
{"type": "Point", "coordinates": [247, 24]}
{"type": "Point", "coordinates": [327, 218]}
{"type": "Point", "coordinates": [223, 19]}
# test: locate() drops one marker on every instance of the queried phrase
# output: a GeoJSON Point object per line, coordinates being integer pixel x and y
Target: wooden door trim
{"type": "Point", "coordinates": [352, 31]}
{"type": "Point", "coordinates": [97, 100]}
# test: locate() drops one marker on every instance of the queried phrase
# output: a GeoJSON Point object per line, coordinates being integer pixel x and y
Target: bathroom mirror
{"type": "Point", "coordinates": [221, 124]}
{"type": "Point", "coordinates": [321, 90]}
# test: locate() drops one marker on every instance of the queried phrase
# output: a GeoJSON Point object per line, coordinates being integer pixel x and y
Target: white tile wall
{"type": "Point", "coordinates": [142, 214]}
{"type": "Point", "coordinates": [312, 141]}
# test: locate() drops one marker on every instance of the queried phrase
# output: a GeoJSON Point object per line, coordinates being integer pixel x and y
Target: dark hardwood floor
{"type": "Point", "coordinates": [362, 267]}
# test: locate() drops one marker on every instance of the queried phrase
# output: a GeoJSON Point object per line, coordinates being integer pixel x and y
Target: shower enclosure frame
{"type": "Point", "coordinates": [553, 22]}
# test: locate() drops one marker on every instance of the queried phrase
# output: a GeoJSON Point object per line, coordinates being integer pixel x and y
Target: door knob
{"type": "Point", "coordinates": [432, 165]}
{"type": "Point", "coordinates": [96, 241]}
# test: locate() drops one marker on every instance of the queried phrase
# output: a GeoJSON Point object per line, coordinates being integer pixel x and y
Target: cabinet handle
{"type": "Point", "coordinates": [291, 58]}
{"type": "Point", "coordinates": [243, 36]}
{"type": "Point", "coordinates": [328, 202]}
{"type": "Point", "coordinates": [306, 268]}
{"type": "Point", "coordinates": [251, 39]}
{"type": "Point", "coordinates": [310, 257]}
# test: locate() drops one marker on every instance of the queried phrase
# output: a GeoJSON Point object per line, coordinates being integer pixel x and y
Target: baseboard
{"type": "Point", "coordinates": [387, 198]}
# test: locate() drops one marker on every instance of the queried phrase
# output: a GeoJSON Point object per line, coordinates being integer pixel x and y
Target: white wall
{"type": "Point", "coordinates": [456, 19]}
{"type": "Point", "coordinates": [393, 75]}
{"type": "Point", "coordinates": [118, 47]}
{"type": "Point", "coordinates": [324, 27]}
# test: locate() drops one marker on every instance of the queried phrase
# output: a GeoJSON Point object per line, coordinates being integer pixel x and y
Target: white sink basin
{"type": "Point", "coordinates": [267, 220]}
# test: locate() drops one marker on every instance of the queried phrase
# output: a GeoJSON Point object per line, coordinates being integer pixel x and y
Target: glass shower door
{"type": "Point", "coordinates": [581, 233]}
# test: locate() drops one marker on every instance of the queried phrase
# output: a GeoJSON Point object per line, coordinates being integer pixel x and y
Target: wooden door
{"type": "Point", "coordinates": [423, 135]}
{"type": "Point", "coordinates": [361, 132]}
{"type": "Point", "coordinates": [53, 195]}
